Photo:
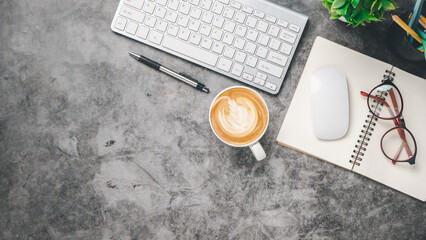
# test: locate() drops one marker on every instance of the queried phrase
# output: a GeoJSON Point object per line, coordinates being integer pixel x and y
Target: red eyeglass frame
{"type": "Point", "coordinates": [398, 120]}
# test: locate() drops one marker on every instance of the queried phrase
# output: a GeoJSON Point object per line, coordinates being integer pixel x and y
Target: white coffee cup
{"type": "Point", "coordinates": [254, 145]}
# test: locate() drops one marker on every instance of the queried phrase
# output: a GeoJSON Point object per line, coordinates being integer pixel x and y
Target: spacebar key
{"type": "Point", "coordinates": [190, 51]}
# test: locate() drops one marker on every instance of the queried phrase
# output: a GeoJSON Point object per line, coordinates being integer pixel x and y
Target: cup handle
{"type": "Point", "coordinates": [258, 151]}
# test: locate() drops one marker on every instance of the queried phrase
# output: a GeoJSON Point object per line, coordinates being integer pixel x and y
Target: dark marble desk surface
{"type": "Point", "coordinates": [68, 87]}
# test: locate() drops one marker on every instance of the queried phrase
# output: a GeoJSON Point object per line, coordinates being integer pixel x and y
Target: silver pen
{"type": "Point", "coordinates": [179, 76]}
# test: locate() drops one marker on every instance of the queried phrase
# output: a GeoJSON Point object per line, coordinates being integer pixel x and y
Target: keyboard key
{"type": "Point", "coordinates": [252, 35]}
{"type": "Point", "coordinates": [236, 5]}
{"type": "Point", "coordinates": [270, 18]}
{"type": "Point", "coordinates": [263, 39]}
{"type": "Point", "coordinates": [184, 34]}
{"type": "Point", "coordinates": [218, 47]}
{"type": "Point", "coordinates": [205, 30]}
{"type": "Point", "coordinates": [261, 75]}
{"type": "Point", "coordinates": [150, 21]}
{"type": "Point", "coordinates": [120, 23]}
{"type": "Point", "coordinates": [131, 27]}
{"type": "Point", "coordinates": [194, 25]}
{"type": "Point", "coordinates": [134, 3]}
{"type": "Point", "coordinates": [271, 86]}
{"type": "Point", "coordinates": [224, 64]}
{"type": "Point", "coordinates": [259, 14]}
{"type": "Point", "coordinates": [206, 4]}
{"type": "Point", "coordinates": [247, 9]}
{"type": "Point", "coordinates": [259, 81]}
{"type": "Point", "coordinates": [218, 22]}
{"type": "Point", "coordinates": [155, 37]}
{"type": "Point", "coordinates": [161, 26]}
{"type": "Point", "coordinates": [288, 36]}
{"type": "Point", "coordinates": [142, 32]}
{"type": "Point", "coordinates": [149, 7]}
{"type": "Point", "coordinates": [195, 39]}
{"type": "Point", "coordinates": [206, 43]}
{"type": "Point", "coordinates": [224, 1]}
{"type": "Point", "coordinates": [189, 50]}
{"type": "Point", "coordinates": [173, 30]}
{"type": "Point", "coordinates": [132, 14]}
{"type": "Point", "coordinates": [183, 21]}
{"type": "Point", "coordinates": [282, 23]}
{"type": "Point", "coordinates": [251, 61]}
{"type": "Point", "coordinates": [239, 43]}
{"type": "Point", "coordinates": [250, 48]}
{"type": "Point", "coordinates": [160, 12]}
{"type": "Point", "coordinates": [270, 68]}
{"type": "Point", "coordinates": [274, 31]}
{"type": "Point", "coordinates": [237, 69]}
{"type": "Point", "coordinates": [240, 57]}
{"type": "Point", "coordinates": [173, 4]}
{"type": "Point", "coordinates": [251, 21]}
{"type": "Point", "coordinates": [275, 44]}
{"type": "Point", "coordinates": [207, 17]}
{"type": "Point", "coordinates": [217, 34]}
{"type": "Point", "coordinates": [286, 48]}
{"type": "Point", "coordinates": [277, 58]}
{"type": "Point", "coordinates": [229, 52]}
{"type": "Point", "coordinates": [171, 16]}
{"type": "Point", "coordinates": [240, 17]}
{"type": "Point", "coordinates": [229, 26]}
{"type": "Point", "coordinates": [228, 13]}
{"type": "Point", "coordinates": [196, 13]}
{"type": "Point", "coordinates": [228, 38]}
{"type": "Point", "coordinates": [184, 8]}
{"type": "Point", "coordinates": [247, 77]}
{"type": "Point", "coordinates": [241, 31]}
{"type": "Point", "coordinates": [262, 26]}
{"type": "Point", "coordinates": [217, 8]}
{"type": "Point", "coordinates": [294, 28]}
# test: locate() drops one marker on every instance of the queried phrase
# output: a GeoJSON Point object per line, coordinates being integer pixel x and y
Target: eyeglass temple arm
{"type": "Point", "coordinates": [393, 99]}
{"type": "Point", "coordinates": [397, 121]}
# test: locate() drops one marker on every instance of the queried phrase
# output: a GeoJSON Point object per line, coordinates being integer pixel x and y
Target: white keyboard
{"type": "Point", "coordinates": [252, 41]}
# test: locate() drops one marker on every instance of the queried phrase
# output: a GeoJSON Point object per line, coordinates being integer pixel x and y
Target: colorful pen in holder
{"type": "Point", "coordinates": [409, 40]}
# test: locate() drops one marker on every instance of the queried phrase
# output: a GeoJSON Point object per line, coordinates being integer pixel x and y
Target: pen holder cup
{"type": "Point", "coordinates": [399, 42]}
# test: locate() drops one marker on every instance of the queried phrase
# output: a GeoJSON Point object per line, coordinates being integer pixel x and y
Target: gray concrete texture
{"type": "Point", "coordinates": [94, 145]}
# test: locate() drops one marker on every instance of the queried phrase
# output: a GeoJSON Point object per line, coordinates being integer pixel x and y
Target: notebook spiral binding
{"type": "Point", "coordinates": [368, 128]}
{"type": "Point", "coordinates": [364, 138]}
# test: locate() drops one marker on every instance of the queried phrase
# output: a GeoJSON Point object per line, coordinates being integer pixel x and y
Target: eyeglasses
{"type": "Point", "coordinates": [385, 102]}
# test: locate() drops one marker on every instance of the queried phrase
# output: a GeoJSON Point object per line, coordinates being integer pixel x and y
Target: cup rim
{"type": "Point", "coordinates": [254, 141]}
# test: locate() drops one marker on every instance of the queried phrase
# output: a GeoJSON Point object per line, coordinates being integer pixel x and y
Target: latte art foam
{"type": "Point", "coordinates": [239, 116]}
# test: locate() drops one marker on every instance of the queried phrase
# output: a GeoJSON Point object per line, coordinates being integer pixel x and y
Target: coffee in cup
{"type": "Point", "coordinates": [239, 117]}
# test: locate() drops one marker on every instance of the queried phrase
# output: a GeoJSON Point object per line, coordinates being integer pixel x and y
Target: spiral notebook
{"type": "Point", "coordinates": [363, 73]}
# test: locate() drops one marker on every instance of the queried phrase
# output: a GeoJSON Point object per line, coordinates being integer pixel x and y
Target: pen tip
{"type": "Point", "coordinates": [133, 55]}
{"type": "Point", "coordinates": [206, 90]}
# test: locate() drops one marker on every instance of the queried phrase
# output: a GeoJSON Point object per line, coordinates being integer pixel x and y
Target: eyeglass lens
{"type": "Point", "coordinates": [398, 144]}
{"type": "Point", "coordinates": [385, 102]}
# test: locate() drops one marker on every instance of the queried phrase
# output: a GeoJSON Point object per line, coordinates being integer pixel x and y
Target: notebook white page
{"type": "Point", "coordinates": [362, 73]}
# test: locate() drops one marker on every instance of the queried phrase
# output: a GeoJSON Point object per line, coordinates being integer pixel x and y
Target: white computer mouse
{"type": "Point", "coordinates": [330, 103]}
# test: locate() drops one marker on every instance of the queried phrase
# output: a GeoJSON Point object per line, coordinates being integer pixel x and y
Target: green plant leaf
{"type": "Point", "coordinates": [335, 15]}
{"type": "Point", "coordinates": [387, 6]}
{"type": "Point", "coordinates": [343, 10]}
{"type": "Point", "coordinates": [355, 3]}
{"type": "Point", "coordinates": [327, 5]}
{"type": "Point", "coordinates": [338, 4]}
{"type": "Point", "coordinates": [372, 6]}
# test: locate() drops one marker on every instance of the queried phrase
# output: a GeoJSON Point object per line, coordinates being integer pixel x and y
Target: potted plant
{"type": "Point", "coordinates": [358, 12]}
